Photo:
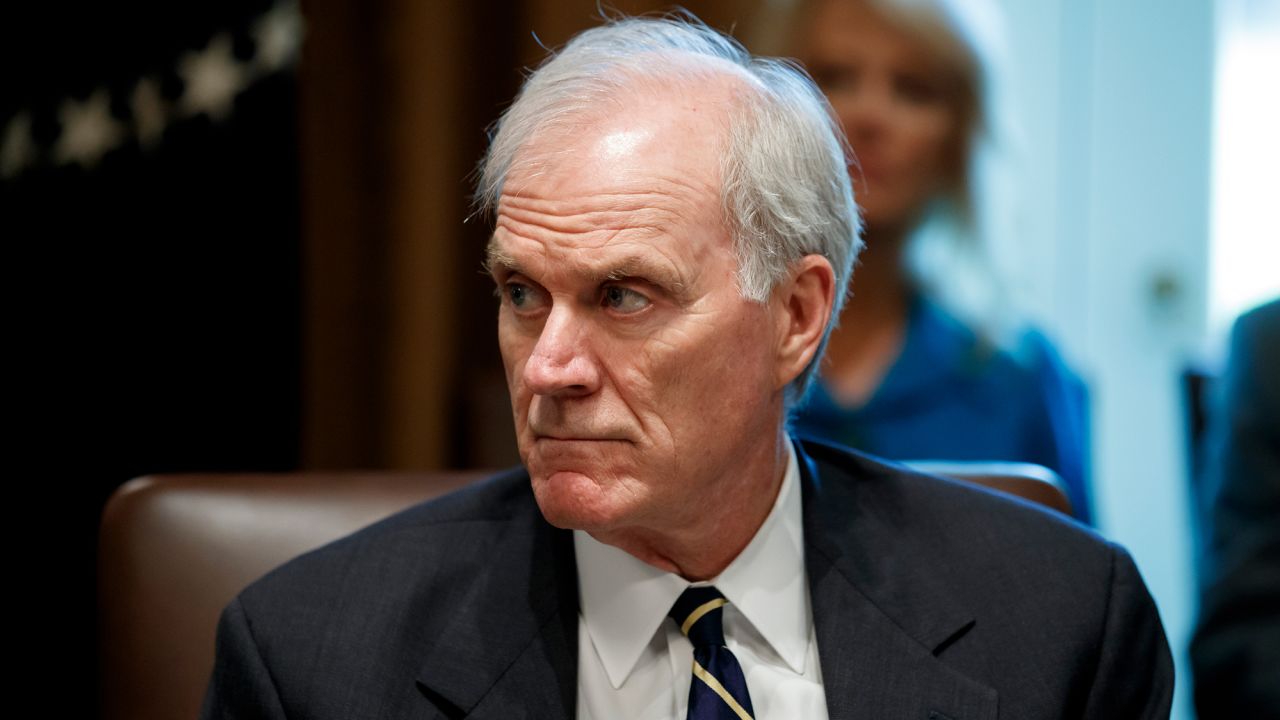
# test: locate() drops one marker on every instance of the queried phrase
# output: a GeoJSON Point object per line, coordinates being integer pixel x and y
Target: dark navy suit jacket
{"type": "Point", "coordinates": [1235, 656]}
{"type": "Point", "coordinates": [931, 599]}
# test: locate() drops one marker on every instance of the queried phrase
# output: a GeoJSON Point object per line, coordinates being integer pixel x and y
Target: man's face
{"type": "Point", "coordinates": [640, 378]}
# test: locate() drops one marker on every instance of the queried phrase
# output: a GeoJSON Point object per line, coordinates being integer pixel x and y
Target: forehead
{"type": "Point", "coordinates": [641, 169]}
{"type": "Point", "coordinates": [644, 133]}
{"type": "Point", "coordinates": [906, 35]}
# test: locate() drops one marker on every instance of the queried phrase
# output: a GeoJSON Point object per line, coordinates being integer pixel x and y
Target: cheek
{"type": "Point", "coordinates": [642, 373]}
{"type": "Point", "coordinates": [843, 107]}
{"type": "Point", "coordinates": [668, 361]}
{"type": "Point", "coordinates": [710, 366]}
{"type": "Point", "coordinates": [926, 135]}
{"type": "Point", "coordinates": [515, 349]}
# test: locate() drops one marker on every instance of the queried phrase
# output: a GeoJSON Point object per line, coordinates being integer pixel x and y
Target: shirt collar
{"type": "Point", "coordinates": [624, 600]}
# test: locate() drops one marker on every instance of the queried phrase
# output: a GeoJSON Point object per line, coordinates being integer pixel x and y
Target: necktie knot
{"type": "Point", "coordinates": [699, 613]}
{"type": "Point", "coordinates": [718, 690]}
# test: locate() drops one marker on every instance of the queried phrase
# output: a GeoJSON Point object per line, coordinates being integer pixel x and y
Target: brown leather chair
{"type": "Point", "coordinates": [175, 549]}
{"type": "Point", "coordinates": [1028, 481]}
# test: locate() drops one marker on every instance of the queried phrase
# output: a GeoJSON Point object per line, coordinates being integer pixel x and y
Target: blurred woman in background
{"type": "Point", "coordinates": [904, 377]}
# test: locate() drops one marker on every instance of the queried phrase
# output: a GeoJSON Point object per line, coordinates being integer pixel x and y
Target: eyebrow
{"type": "Point", "coordinates": [630, 267]}
{"type": "Point", "coordinates": [634, 266]}
{"type": "Point", "coordinates": [495, 259]}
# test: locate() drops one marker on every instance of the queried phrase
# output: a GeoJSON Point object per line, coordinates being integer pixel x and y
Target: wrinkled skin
{"type": "Point", "coordinates": [647, 392]}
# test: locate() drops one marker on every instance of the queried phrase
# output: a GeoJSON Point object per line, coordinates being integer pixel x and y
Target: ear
{"type": "Point", "coordinates": [802, 309]}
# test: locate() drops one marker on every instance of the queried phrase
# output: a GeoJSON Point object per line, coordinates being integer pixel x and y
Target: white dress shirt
{"type": "Point", "coordinates": [634, 664]}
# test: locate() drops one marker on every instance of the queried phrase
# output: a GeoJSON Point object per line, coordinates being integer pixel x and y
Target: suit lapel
{"type": "Point", "coordinates": [512, 651]}
{"type": "Point", "coordinates": [880, 618]}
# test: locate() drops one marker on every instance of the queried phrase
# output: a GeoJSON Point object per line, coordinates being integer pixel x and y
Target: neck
{"type": "Point", "coordinates": [702, 546]}
{"type": "Point", "coordinates": [880, 276]}
{"type": "Point", "coordinates": [881, 293]}
{"type": "Point", "coordinates": [873, 322]}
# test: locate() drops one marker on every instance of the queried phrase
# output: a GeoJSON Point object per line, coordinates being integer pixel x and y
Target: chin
{"type": "Point", "coordinates": [574, 501]}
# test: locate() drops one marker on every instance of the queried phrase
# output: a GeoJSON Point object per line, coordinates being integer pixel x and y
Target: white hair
{"type": "Point", "coordinates": [785, 186]}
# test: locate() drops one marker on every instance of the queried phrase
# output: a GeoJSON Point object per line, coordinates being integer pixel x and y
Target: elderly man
{"type": "Point", "coordinates": [674, 233]}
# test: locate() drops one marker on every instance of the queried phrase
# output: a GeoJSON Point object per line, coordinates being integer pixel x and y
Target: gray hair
{"type": "Point", "coordinates": [785, 186]}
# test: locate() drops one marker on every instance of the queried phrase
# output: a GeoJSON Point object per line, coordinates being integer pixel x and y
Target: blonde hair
{"type": "Point", "coordinates": [948, 255]}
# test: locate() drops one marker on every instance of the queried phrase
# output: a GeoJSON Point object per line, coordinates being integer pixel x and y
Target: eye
{"type": "Point", "coordinates": [916, 89]}
{"type": "Point", "coordinates": [523, 297]}
{"type": "Point", "coordinates": [623, 299]}
{"type": "Point", "coordinates": [835, 78]}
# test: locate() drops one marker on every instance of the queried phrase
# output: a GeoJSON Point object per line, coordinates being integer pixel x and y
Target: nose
{"type": "Point", "coordinates": [863, 126]}
{"type": "Point", "coordinates": [863, 112]}
{"type": "Point", "coordinates": [562, 363]}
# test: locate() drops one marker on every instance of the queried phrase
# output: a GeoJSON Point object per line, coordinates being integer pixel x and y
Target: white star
{"type": "Point", "coordinates": [148, 112]}
{"type": "Point", "coordinates": [213, 78]}
{"type": "Point", "coordinates": [88, 130]}
{"type": "Point", "coordinates": [17, 149]}
{"type": "Point", "coordinates": [277, 34]}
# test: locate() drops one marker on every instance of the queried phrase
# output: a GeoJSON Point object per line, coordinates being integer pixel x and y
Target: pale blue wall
{"type": "Point", "coordinates": [1115, 101]}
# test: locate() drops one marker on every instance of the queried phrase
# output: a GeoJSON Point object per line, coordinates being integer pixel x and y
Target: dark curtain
{"type": "Point", "coordinates": [238, 240]}
{"type": "Point", "coordinates": [149, 203]}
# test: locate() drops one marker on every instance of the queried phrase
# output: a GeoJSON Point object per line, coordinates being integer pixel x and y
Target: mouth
{"type": "Point", "coordinates": [575, 439]}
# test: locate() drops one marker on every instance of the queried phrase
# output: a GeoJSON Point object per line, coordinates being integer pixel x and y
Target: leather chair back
{"type": "Point", "coordinates": [175, 549]}
{"type": "Point", "coordinates": [1028, 481]}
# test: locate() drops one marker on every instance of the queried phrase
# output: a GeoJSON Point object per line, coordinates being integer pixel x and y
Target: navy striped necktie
{"type": "Point", "coordinates": [718, 690]}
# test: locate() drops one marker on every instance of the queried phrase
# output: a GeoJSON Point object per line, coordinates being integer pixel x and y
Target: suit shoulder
{"type": "Point", "coordinates": [1042, 603]}
{"type": "Point", "coordinates": [947, 518]}
{"type": "Point", "coordinates": [426, 536]}
{"type": "Point", "coordinates": [352, 622]}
